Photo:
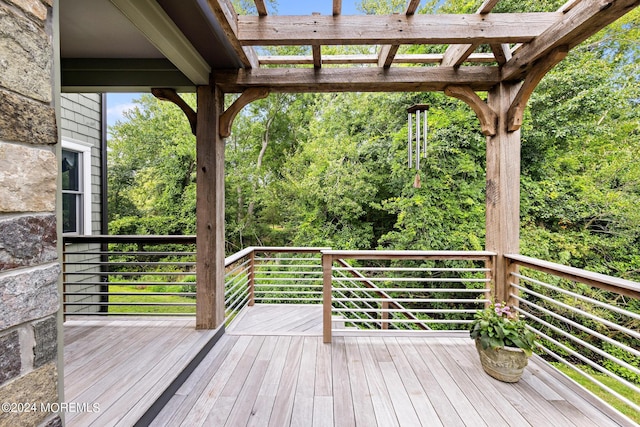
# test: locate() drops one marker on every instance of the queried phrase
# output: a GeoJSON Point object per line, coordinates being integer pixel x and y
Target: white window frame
{"type": "Point", "coordinates": [84, 149]}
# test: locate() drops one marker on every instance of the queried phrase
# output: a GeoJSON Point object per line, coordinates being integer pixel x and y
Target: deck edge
{"type": "Point", "coordinates": [152, 412]}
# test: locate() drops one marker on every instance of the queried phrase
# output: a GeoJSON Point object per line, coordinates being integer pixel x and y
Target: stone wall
{"type": "Point", "coordinates": [29, 267]}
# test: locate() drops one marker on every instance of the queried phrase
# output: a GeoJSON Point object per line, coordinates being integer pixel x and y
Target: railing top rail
{"type": "Point", "coordinates": [101, 238]}
{"type": "Point", "coordinates": [602, 281]}
{"type": "Point", "coordinates": [273, 249]}
{"type": "Point", "coordinates": [237, 256]}
{"type": "Point", "coordinates": [288, 249]}
{"type": "Point", "coordinates": [440, 255]}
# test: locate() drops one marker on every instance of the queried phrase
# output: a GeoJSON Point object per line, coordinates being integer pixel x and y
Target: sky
{"type": "Point", "coordinates": [118, 103]}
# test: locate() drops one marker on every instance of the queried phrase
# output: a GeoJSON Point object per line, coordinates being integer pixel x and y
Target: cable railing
{"type": "Point", "coordinates": [129, 275]}
{"type": "Point", "coordinates": [588, 324]}
{"type": "Point", "coordinates": [237, 283]}
{"type": "Point", "coordinates": [287, 275]}
{"type": "Point", "coordinates": [404, 290]}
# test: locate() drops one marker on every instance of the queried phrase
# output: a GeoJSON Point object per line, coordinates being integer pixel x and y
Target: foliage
{"type": "Point", "coordinates": [151, 170]}
{"type": "Point", "coordinates": [140, 297]}
{"type": "Point", "coordinates": [499, 326]}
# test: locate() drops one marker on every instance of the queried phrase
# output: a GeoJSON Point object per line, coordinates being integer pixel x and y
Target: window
{"type": "Point", "coordinates": [76, 187]}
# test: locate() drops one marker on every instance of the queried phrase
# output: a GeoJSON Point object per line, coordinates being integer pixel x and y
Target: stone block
{"type": "Point", "coordinates": [27, 241]}
{"type": "Point", "coordinates": [26, 295]}
{"type": "Point", "coordinates": [45, 333]}
{"type": "Point", "coordinates": [33, 8]}
{"type": "Point", "coordinates": [23, 120]}
{"type": "Point", "coordinates": [27, 179]}
{"type": "Point", "coordinates": [10, 359]}
{"type": "Point", "coordinates": [36, 387]}
{"type": "Point", "coordinates": [25, 59]}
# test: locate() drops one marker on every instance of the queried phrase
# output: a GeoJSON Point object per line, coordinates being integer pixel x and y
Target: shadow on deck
{"type": "Point", "coordinates": [272, 368]}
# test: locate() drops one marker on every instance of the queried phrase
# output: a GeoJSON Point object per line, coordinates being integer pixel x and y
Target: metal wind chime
{"type": "Point", "coordinates": [418, 114]}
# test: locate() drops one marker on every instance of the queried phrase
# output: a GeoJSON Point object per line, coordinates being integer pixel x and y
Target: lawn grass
{"type": "Point", "coordinates": [609, 382]}
{"type": "Point", "coordinates": [140, 297]}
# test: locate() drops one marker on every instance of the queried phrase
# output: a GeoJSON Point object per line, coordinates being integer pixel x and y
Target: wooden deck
{"type": "Point", "coordinates": [275, 378]}
{"type": "Point", "coordinates": [124, 365]}
{"type": "Point", "coordinates": [271, 368]}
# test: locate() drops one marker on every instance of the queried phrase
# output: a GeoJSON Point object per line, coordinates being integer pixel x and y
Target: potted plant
{"type": "Point", "coordinates": [503, 342]}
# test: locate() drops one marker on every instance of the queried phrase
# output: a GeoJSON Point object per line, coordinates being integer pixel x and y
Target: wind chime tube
{"type": "Point", "coordinates": [410, 141]}
{"type": "Point", "coordinates": [425, 133]}
{"type": "Point", "coordinates": [418, 140]}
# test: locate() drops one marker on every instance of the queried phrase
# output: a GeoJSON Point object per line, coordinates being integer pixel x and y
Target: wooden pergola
{"type": "Point", "coordinates": [522, 48]}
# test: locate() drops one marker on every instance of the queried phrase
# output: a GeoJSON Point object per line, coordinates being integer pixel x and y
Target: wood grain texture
{"type": "Point", "coordinates": [488, 118]}
{"type": "Point", "coordinates": [145, 354]}
{"type": "Point", "coordinates": [209, 210]}
{"type": "Point", "coordinates": [503, 190]}
{"type": "Point", "coordinates": [393, 29]}
{"type": "Point", "coordinates": [378, 380]}
{"type": "Point", "coordinates": [372, 79]}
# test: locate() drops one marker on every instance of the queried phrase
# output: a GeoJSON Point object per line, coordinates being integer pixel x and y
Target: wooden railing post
{"type": "Point", "coordinates": [327, 263]}
{"type": "Point", "coordinates": [490, 265]}
{"type": "Point", "coordinates": [511, 269]}
{"type": "Point", "coordinates": [252, 278]}
{"type": "Point", "coordinates": [384, 315]}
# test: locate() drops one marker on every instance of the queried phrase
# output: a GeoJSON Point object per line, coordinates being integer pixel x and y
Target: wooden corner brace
{"type": "Point", "coordinates": [247, 97]}
{"type": "Point", "coordinates": [488, 118]}
{"type": "Point", "coordinates": [166, 94]}
{"type": "Point", "coordinates": [537, 72]}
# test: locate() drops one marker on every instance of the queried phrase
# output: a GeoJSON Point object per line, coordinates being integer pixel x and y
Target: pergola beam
{"type": "Point", "coordinates": [580, 22]}
{"type": "Point", "coordinates": [371, 79]}
{"type": "Point", "coordinates": [393, 29]}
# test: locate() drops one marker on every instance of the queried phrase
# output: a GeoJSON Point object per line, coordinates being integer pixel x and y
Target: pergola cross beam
{"type": "Point", "coordinates": [392, 29]}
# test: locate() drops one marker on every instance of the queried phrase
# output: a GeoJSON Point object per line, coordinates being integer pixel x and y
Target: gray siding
{"type": "Point", "coordinates": [81, 121]}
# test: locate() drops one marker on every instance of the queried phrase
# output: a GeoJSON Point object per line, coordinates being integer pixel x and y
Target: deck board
{"type": "Point", "coordinates": [286, 376]}
{"type": "Point", "coordinates": [266, 319]}
{"type": "Point", "coordinates": [124, 364]}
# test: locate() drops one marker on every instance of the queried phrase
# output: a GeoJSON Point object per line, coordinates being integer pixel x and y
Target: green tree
{"type": "Point", "coordinates": [152, 170]}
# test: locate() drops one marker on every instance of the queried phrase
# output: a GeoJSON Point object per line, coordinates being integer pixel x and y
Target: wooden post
{"type": "Point", "coordinates": [210, 210]}
{"type": "Point", "coordinates": [384, 315]}
{"type": "Point", "coordinates": [503, 189]}
{"type": "Point", "coordinates": [327, 263]}
{"type": "Point", "coordinates": [490, 265]}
